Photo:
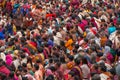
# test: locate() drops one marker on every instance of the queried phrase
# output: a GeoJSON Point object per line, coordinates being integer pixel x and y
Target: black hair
{"type": "Point", "coordinates": [38, 61]}
{"type": "Point", "coordinates": [11, 75]}
{"type": "Point", "coordinates": [96, 77]}
{"type": "Point", "coordinates": [84, 60]}
{"type": "Point", "coordinates": [52, 68]}
{"type": "Point", "coordinates": [24, 78]}
{"type": "Point", "coordinates": [24, 65]}
{"type": "Point", "coordinates": [58, 64]}
{"type": "Point", "coordinates": [36, 67]}
{"type": "Point", "coordinates": [103, 68]}
{"type": "Point", "coordinates": [77, 61]}
{"type": "Point", "coordinates": [76, 46]}
{"type": "Point", "coordinates": [76, 77]}
{"type": "Point", "coordinates": [72, 73]}
{"type": "Point", "coordinates": [86, 40]}
{"type": "Point", "coordinates": [50, 77]}
{"type": "Point", "coordinates": [50, 60]}
{"type": "Point", "coordinates": [62, 59]}
{"type": "Point", "coordinates": [23, 56]}
{"type": "Point", "coordinates": [71, 57]}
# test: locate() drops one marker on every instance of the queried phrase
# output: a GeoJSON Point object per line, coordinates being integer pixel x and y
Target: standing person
{"type": "Point", "coordinates": [76, 69]}
{"type": "Point", "coordinates": [9, 7]}
{"type": "Point", "coordinates": [69, 43]}
{"type": "Point", "coordinates": [85, 69]}
{"type": "Point", "coordinates": [38, 73]}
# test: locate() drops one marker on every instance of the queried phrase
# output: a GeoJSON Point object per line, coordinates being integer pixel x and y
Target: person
{"type": "Point", "coordinates": [38, 73]}
{"type": "Point", "coordinates": [76, 69]}
{"type": "Point", "coordinates": [96, 77]}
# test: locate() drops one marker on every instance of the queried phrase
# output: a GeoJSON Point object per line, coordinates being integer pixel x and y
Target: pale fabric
{"type": "Point", "coordinates": [24, 61]}
{"type": "Point", "coordinates": [38, 75]}
{"type": "Point", "coordinates": [16, 63]}
{"type": "Point", "coordinates": [103, 76]}
{"type": "Point", "coordinates": [3, 57]}
{"type": "Point", "coordinates": [85, 70]}
{"type": "Point", "coordinates": [84, 1]}
{"type": "Point", "coordinates": [56, 40]}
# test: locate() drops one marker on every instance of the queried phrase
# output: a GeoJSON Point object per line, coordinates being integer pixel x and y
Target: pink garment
{"type": "Point", "coordinates": [9, 59]}
{"type": "Point", "coordinates": [48, 72]}
{"type": "Point", "coordinates": [4, 70]}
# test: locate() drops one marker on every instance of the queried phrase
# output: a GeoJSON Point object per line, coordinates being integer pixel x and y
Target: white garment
{"type": "Point", "coordinates": [84, 1]}
{"type": "Point", "coordinates": [103, 76]}
{"type": "Point", "coordinates": [85, 70]}
{"type": "Point", "coordinates": [16, 63]}
{"type": "Point", "coordinates": [24, 61]}
{"type": "Point", "coordinates": [56, 40]}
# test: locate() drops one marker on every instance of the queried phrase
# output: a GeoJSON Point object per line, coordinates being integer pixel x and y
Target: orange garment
{"type": "Point", "coordinates": [103, 40]}
{"type": "Point", "coordinates": [33, 6]}
{"type": "Point", "coordinates": [68, 44]}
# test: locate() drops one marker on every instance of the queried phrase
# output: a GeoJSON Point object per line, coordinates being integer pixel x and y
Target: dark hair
{"type": "Point", "coordinates": [38, 61]}
{"type": "Point", "coordinates": [58, 64]}
{"type": "Point", "coordinates": [36, 67]}
{"type": "Point", "coordinates": [11, 75]}
{"type": "Point", "coordinates": [71, 58]}
{"type": "Point", "coordinates": [24, 65]}
{"type": "Point", "coordinates": [76, 77]}
{"type": "Point", "coordinates": [72, 73]}
{"type": "Point", "coordinates": [62, 59]}
{"type": "Point", "coordinates": [50, 60]}
{"type": "Point", "coordinates": [103, 68]}
{"type": "Point", "coordinates": [50, 77]}
{"type": "Point", "coordinates": [96, 77]}
{"type": "Point", "coordinates": [84, 60]}
{"type": "Point", "coordinates": [86, 40]}
{"type": "Point", "coordinates": [22, 55]}
{"type": "Point", "coordinates": [29, 60]}
{"type": "Point", "coordinates": [77, 61]}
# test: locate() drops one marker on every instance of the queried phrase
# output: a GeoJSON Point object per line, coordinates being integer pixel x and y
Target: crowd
{"type": "Point", "coordinates": [59, 40]}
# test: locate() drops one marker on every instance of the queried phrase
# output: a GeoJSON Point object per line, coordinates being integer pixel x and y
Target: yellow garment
{"type": "Point", "coordinates": [3, 3]}
{"type": "Point", "coordinates": [68, 44]}
{"type": "Point", "coordinates": [14, 28]}
{"type": "Point", "coordinates": [84, 34]}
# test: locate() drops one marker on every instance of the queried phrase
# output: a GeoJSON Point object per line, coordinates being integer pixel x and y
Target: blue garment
{"type": "Point", "coordinates": [2, 36]}
{"type": "Point", "coordinates": [10, 30]}
{"type": "Point", "coordinates": [50, 42]}
{"type": "Point", "coordinates": [111, 29]}
{"type": "Point", "coordinates": [16, 6]}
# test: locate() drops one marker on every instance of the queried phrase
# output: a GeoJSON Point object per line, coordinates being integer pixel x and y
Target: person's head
{"type": "Point", "coordinates": [96, 77]}
{"type": "Point", "coordinates": [58, 64]}
{"type": "Point", "coordinates": [50, 77]}
{"type": "Point", "coordinates": [84, 60]}
{"type": "Point", "coordinates": [11, 75]}
{"type": "Point", "coordinates": [36, 67]}
{"type": "Point", "coordinates": [71, 74]}
{"type": "Point", "coordinates": [102, 68]}
{"type": "Point", "coordinates": [50, 60]}
{"type": "Point", "coordinates": [24, 65]}
{"type": "Point", "coordinates": [77, 61]}
{"type": "Point", "coordinates": [62, 59]}
{"type": "Point", "coordinates": [71, 57]}
{"type": "Point", "coordinates": [38, 61]}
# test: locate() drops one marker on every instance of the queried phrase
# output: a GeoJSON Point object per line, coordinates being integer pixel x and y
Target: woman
{"type": "Point", "coordinates": [85, 69]}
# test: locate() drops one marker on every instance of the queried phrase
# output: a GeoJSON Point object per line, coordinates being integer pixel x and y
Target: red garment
{"type": "Point", "coordinates": [4, 70]}
{"type": "Point", "coordinates": [9, 6]}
